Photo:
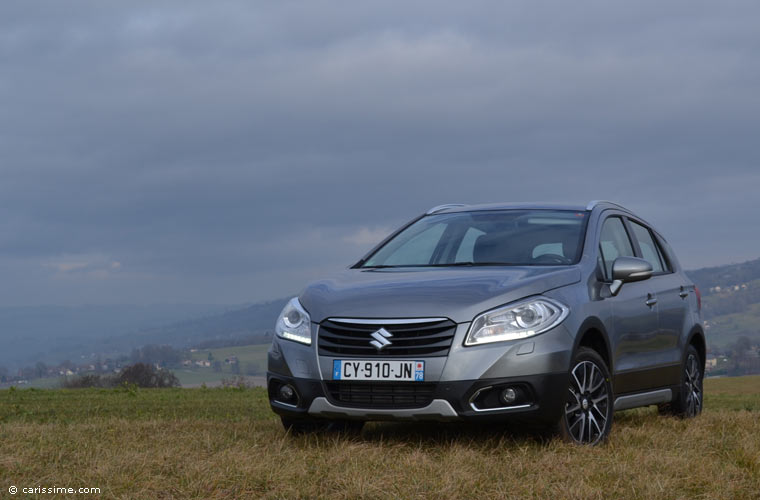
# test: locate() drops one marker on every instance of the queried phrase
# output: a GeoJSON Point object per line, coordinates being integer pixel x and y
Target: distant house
{"type": "Point", "coordinates": [186, 362]}
{"type": "Point", "coordinates": [203, 362]}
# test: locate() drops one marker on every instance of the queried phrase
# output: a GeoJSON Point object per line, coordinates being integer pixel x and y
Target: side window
{"type": "Point", "coordinates": [614, 243]}
{"type": "Point", "coordinates": [467, 246]}
{"type": "Point", "coordinates": [417, 251]}
{"type": "Point", "coordinates": [649, 250]}
{"type": "Point", "coordinates": [662, 246]}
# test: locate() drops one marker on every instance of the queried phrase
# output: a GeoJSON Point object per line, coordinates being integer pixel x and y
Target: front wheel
{"type": "Point", "coordinates": [587, 416]}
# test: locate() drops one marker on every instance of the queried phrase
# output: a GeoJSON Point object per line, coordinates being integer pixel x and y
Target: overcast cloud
{"type": "Point", "coordinates": [228, 152]}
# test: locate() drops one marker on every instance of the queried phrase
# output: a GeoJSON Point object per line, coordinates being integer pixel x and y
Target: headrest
{"type": "Point", "coordinates": [491, 248]}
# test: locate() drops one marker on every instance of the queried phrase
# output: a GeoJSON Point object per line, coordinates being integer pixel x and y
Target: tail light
{"type": "Point", "coordinates": [699, 297]}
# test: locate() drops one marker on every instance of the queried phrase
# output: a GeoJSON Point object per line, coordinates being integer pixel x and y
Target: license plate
{"type": "Point", "coordinates": [361, 369]}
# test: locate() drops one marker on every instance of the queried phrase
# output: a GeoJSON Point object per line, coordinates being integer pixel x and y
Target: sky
{"type": "Point", "coordinates": [230, 152]}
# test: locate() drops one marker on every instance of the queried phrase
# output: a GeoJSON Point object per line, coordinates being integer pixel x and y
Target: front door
{"type": "Point", "coordinates": [635, 323]}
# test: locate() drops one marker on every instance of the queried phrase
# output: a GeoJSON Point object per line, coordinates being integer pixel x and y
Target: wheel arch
{"type": "Point", "coordinates": [593, 334]}
{"type": "Point", "coordinates": [697, 339]}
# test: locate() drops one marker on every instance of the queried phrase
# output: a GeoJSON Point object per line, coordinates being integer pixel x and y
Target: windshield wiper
{"type": "Point", "coordinates": [450, 264]}
{"type": "Point", "coordinates": [470, 264]}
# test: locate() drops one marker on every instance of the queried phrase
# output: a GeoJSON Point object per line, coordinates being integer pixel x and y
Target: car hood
{"type": "Point", "coordinates": [456, 293]}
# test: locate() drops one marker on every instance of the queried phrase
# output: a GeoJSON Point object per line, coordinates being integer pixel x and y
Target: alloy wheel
{"type": "Point", "coordinates": [587, 408]}
{"type": "Point", "coordinates": [693, 386]}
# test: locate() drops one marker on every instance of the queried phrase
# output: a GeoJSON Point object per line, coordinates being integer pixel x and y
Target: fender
{"type": "Point", "coordinates": [697, 332]}
{"type": "Point", "coordinates": [594, 323]}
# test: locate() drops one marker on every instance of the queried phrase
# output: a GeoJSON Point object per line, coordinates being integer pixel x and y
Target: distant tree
{"type": "Point", "coordinates": [40, 369]}
{"type": "Point", "coordinates": [217, 365]}
{"type": "Point", "coordinates": [144, 375]}
{"type": "Point", "coordinates": [743, 344]}
{"type": "Point", "coordinates": [88, 380]}
{"type": "Point", "coordinates": [210, 356]}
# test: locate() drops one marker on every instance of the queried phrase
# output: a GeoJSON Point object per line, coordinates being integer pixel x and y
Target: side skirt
{"type": "Point", "coordinates": [643, 399]}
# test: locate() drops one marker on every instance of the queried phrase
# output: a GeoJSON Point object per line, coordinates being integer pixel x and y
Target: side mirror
{"type": "Point", "coordinates": [628, 270]}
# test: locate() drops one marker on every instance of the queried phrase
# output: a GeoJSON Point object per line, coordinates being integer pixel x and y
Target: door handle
{"type": "Point", "coordinates": [684, 293]}
{"type": "Point", "coordinates": [650, 300]}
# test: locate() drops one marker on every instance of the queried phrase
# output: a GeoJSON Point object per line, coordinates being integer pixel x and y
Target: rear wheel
{"type": "Point", "coordinates": [307, 426]}
{"type": "Point", "coordinates": [688, 401]}
{"type": "Point", "coordinates": [587, 415]}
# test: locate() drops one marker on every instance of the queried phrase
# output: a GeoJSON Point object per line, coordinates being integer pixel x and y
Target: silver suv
{"type": "Point", "coordinates": [550, 314]}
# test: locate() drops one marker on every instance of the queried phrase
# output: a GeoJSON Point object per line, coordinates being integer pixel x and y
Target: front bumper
{"type": "Point", "coordinates": [462, 386]}
{"type": "Point", "coordinates": [544, 397]}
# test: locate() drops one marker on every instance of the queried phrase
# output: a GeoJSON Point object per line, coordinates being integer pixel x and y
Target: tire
{"type": "Point", "coordinates": [587, 416]}
{"type": "Point", "coordinates": [308, 426]}
{"type": "Point", "coordinates": [688, 402]}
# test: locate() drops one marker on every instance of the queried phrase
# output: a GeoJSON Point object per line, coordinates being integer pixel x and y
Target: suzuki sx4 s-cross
{"type": "Point", "coordinates": [555, 315]}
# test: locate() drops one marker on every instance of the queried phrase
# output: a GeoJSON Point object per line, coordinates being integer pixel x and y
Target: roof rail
{"type": "Point", "coordinates": [444, 207]}
{"type": "Point", "coordinates": [593, 204]}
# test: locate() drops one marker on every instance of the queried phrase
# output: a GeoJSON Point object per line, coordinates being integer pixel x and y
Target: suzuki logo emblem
{"type": "Point", "coordinates": [381, 339]}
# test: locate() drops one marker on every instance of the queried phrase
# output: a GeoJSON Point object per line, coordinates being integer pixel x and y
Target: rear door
{"type": "Point", "coordinates": [672, 301]}
{"type": "Point", "coordinates": [634, 312]}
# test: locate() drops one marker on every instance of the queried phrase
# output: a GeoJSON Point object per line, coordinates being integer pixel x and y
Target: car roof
{"type": "Point", "coordinates": [592, 205]}
{"type": "Point", "coordinates": [459, 207]}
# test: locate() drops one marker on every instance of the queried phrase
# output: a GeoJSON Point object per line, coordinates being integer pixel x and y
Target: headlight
{"type": "Point", "coordinates": [294, 323]}
{"type": "Point", "coordinates": [516, 321]}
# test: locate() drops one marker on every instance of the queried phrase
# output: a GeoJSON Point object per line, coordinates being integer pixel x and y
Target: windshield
{"type": "Point", "coordinates": [486, 238]}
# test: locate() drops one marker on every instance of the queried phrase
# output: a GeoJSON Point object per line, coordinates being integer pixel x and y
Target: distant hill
{"type": "Point", "coordinates": [731, 301]}
{"type": "Point", "coordinates": [252, 322]}
{"type": "Point", "coordinates": [54, 333]}
{"type": "Point", "coordinates": [726, 275]}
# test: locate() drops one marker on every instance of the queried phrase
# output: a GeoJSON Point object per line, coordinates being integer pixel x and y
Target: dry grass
{"type": "Point", "coordinates": [220, 443]}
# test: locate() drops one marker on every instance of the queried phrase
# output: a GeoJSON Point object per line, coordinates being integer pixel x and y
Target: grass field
{"type": "Point", "coordinates": [225, 443]}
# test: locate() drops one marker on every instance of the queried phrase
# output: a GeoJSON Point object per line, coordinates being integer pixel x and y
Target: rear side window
{"type": "Point", "coordinates": [649, 249]}
{"type": "Point", "coordinates": [613, 243]}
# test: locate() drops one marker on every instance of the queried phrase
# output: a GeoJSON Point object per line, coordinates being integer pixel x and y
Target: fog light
{"type": "Point", "coordinates": [287, 392]}
{"type": "Point", "coordinates": [508, 395]}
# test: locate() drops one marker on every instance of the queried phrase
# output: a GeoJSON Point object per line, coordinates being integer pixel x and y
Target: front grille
{"type": "Point", "coordinates": [381, 394]}
{"type": "Point", "coordinates": [415, 338]}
